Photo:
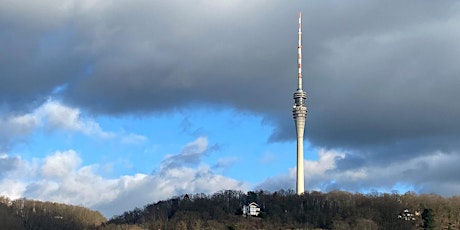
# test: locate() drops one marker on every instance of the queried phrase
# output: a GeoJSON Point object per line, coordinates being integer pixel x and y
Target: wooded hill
{"type": "Point", "coordinates": [36, 215]}
{"type": "Point", "coordinates": [222, 210]}
{"type": "Point", "coordinates": [286, 210]}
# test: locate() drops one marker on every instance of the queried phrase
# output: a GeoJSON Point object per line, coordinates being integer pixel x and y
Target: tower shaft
{"type": "Point", "coordinates": [300, 126]}
{"type": "Point", "coordinates": [299, 112]}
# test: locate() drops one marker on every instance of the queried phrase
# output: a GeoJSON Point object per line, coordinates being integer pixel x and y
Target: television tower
{"type": "Point", "coordinates": [299, 112]}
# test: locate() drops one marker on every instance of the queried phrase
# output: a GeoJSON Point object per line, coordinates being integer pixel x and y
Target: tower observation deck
{"type": "Point", "coordinates": [299, 112]}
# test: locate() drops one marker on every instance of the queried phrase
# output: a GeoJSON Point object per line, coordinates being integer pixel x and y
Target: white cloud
{"type": "Point", "coordinates": [315, 172]}
{"type": "Point", "coordinates": [21, 124]}
{"type": "Point", "coordinates": [54, 116]}
{"type": "Point", "coordinates": [62, 178]}
{"type": "Point", "coordinates": [190, 155]}
{"type": "Point", "coordinates": [226, 162]}
{"type": "Point", "coordinates": [198, 146]}
{"type": "Point", "coordinates": [60, 164]}
{"type": "Point", "coordinates": [11, 188]}
{"type": "Point", "coordinates": [15, 129]}
{"type": "Point", "coordinates": [326, 162]}
{"type": "Point", "coordinates": [58, 116]}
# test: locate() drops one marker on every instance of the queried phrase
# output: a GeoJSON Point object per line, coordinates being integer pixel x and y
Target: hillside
{"type": "Point", "coordinates": [222, 210]}
{"type": "Point", "coordinates": [31, 214]}
{"type": "Point", "coordinates": [286, 210]}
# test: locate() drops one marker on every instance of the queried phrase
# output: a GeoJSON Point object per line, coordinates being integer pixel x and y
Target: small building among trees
{"type": "Point", "coordinates": [251, 209]}
{"type": "Point", "coordinates": [408, 216]}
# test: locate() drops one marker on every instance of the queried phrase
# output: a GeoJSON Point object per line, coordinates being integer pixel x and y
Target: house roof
{"type": "Point", "coordinates": [253, 203]}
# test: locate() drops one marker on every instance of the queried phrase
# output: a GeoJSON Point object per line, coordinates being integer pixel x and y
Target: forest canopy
{"type": "Point", "coordinates": [223, 210]}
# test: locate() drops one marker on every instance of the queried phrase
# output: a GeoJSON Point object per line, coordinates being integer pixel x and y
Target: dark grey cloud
{"type": "Point", "coordinates": [34, 60]}
{"type": "Point", "coordinates": [162, 59]}
{"type": "Point", "coordinates": [381, 77]}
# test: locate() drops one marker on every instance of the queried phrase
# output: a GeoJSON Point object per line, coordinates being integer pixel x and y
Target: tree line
{"type": "Point", "coordinates": [286, 210]}
{"type": "Point", "coordinates": [24, 214]}
{"type": "Point", "coordinates": [222, 210]}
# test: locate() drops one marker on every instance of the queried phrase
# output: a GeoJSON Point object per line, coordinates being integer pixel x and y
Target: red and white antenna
{"type": "Point", "coordinates": [299, 53]}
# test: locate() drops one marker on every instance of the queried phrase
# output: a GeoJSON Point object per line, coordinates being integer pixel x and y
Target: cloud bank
{"type": "Point", "coordinates": [61, 177]}
{"type": "Point", "coordinates": [54, 116]}
{"type": "Point", "coordinates": [426, 174]}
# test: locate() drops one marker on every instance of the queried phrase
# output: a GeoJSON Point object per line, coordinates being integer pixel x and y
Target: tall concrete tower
{"type": "Point", "coordinates": [299, 112]}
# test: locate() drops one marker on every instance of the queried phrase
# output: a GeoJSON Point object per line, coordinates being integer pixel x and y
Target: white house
{"type": "Point", "coordinates": [251, 209]}
{"type": "Point", "coordinates": [407, 215]}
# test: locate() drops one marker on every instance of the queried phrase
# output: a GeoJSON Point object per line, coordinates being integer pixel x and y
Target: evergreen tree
{"type": "Point", "coordinates": [428, 219]}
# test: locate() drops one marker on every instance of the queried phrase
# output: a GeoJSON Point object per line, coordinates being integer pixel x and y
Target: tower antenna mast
{"type": "Point", "coordinates": [299, 54]}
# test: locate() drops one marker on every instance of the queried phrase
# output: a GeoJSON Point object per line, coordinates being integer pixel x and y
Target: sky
{"type": "Point", "coordinates": [117, 104]}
